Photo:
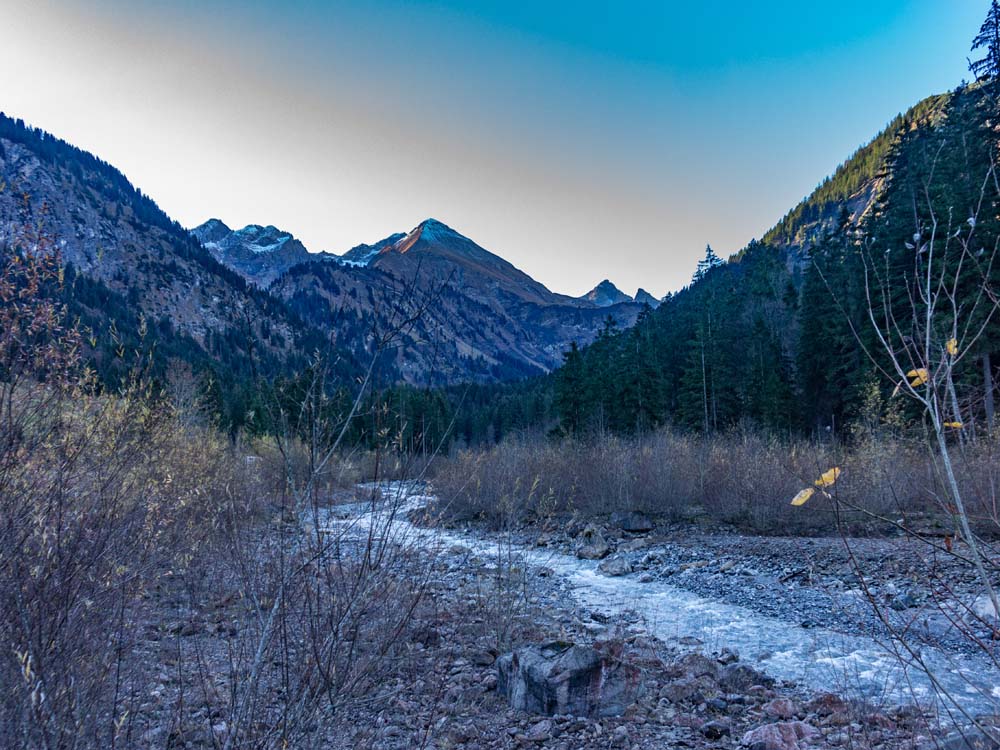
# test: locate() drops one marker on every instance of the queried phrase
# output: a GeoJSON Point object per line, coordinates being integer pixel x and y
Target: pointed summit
{"type": "Point", "coordinates": [645, 298]}
{"type": "Point", "coordinates": [431, 232]}
{"type": "Point", "coordinates": [432, 247]}
{"type": "Point", "coordinates": [213, 230]}
{"type": "Point", "coordinates": [606, 294]}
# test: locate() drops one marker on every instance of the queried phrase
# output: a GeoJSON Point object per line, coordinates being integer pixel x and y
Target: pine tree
{"type": "Point", "coordinates": [988, 67]}
{"type": "Point", "coordinates": [706, 264]}
{"type": "Point", "coordinates": [570, 392]}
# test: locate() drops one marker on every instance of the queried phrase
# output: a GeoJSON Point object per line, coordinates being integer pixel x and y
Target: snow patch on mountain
{"type": "Point", "coordinates": [362, 255]}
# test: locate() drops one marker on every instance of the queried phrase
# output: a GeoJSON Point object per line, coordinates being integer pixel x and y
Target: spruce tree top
{"type": "Point", "coordinates": [988, 67]}
{"type": "Point", "coordinates": [710, 261]}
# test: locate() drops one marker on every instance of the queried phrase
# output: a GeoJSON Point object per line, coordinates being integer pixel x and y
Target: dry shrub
{"type": "Point", "coordinates": [98, 493]}
{"type": "Point", "coordinates": [742, 477]}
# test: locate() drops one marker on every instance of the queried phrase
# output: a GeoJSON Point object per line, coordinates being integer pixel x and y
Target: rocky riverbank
{"type": "Point", "coordinates": [495, 594]}
{"type": "Point", "coordinates": [687, 698]}
{"type": "Point", "coordinates": [829, 582]}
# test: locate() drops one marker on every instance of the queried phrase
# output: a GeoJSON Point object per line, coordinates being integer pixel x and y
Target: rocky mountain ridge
{"type": "Point", "coordinates": [255, 299]}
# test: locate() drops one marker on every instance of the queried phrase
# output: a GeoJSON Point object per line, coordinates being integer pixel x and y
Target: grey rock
{"type": "Point", "coordinates": [482, 658]}
{"type": "Point", "coordinates": [540, 732]}
{"type": "Point", "coordinates": [563, 678]}
{"type": "Point", "coordinates": [633, 522]}
{"type": "Point", "coordinates": [738, 678]}
{"type": "Point", "coordinates": [982, 608]}
{"type": "Point", "coordinates": [715, 730]}
{"type": "Point", "coordinates": [615, 566]}
{"type": "Point", "coordinates": [785, 735]}
{"type": "Point", "coordinates": [594, 546]}
{"type": "Point", "coordinates": [727, 656]}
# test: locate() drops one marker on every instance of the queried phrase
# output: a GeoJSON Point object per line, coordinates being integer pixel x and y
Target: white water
{"type": "Point", "coordinates": [818, 658]}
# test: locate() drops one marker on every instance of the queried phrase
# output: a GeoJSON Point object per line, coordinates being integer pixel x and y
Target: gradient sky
{"type": "Point", "coordinates": [580, 140]}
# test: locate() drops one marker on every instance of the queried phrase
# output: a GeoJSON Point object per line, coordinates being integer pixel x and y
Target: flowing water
{"type": "Point", "coordinates": [817, 658]}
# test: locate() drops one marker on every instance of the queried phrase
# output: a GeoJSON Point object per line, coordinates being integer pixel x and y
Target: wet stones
{"type": "Point", "coordinates": [633, 522]}
{"type": "Point", "coordinates": [594, 546]}
{"type": "Point", "coordinates": [615, 566]}
{"type": "Point", "coordinates": [786, 735]}
{"type": "Point", "coordinates": [563, 678]}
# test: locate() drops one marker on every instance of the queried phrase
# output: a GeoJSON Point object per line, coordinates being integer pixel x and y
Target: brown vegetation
{"type": "Point", "coordinates": [130, 528]}
{"type": "Point", "coordinates": [742, 478]}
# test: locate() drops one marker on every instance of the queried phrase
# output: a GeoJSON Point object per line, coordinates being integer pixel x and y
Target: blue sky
{"type": "Point", "coordinates": [580, 140]}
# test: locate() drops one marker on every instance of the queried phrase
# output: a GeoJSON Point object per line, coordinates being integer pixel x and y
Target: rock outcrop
{"type": "Point", "coordinates": [563, 678]}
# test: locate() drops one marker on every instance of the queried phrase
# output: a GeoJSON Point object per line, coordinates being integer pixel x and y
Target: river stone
{"type": "Point", "coordinates": [971, 740]}
{"type": "Point", "coordinates": [563, 678]}
{"type": "Point", "coordinates": [615, 566]}
{"type": "Point", "coordinates": [780, 708]}
{"type": "Point", "coordinates": [785, 735]}
{"type": "Point", "coordinates": [983, 608]}
{"type": "Point", "coordinates": [738, 678]}
{"type": "Point", "coordinates": [632, 522]}
{"type": "Point", "coordinates": [715, 730]}
{"type": "Point", "coordinates": [594, 546]}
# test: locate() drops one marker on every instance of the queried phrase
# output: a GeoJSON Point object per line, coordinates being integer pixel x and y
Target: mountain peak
{"type": "Point", "coordinates": [606, 294]}
{"type": "Point", "coordinates": [431, 231]}
{"type": "Point", "coordinates": [258, 253]}
{"type": "Point", "coordinates": [213, 230]}
{"type": "Point", "coordinates": [645, 298]}
{"type": "Point", "coordinates": [362, 255]}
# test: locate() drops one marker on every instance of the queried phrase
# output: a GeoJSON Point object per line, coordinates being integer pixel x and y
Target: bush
{"type": "Point", "coordinates": [742, 477]}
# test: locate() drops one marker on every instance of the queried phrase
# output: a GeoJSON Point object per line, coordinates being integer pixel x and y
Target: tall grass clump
{"type": "Point", "coordinates": [742, 477]}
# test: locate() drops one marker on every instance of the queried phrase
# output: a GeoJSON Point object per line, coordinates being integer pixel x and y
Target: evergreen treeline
{"type": "Point", "coordinates": [779, 336]}
{"type": "Point", "coordinates": [817, 213]}
{"type": "Point", "coordinates": [783, 339]}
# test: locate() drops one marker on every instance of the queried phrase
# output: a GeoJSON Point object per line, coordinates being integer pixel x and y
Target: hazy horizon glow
{"type": "Point", "coordinates": [580, 141]}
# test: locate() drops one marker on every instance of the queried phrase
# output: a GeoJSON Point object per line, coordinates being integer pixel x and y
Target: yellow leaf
{"type": "Point", "coordinates": [917, 377]}
{"type": "Point", "coordinates": [828, 478]}
{"type": "Point", "coordinates": [953, 425]}
{"type": "Point", "coordinates": [952, 347]}
{"type": "Point", "coordinates": [803, 496]}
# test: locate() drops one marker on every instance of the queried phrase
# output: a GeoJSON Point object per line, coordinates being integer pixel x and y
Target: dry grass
{"type": "Point", "coordinates": [741, 478]}
{"type": "Point", "coordinates": [143, 555]}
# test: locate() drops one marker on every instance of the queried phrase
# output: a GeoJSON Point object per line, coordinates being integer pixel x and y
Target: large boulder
{"type": "Point", "coordinates": [594, 546]}
{"type": "Point", "coordinates": [615, 566]}
{"type": "Point", "coordinates": [633, 522]}
{"type": "Point", "coordinates": [983, 609]}
{"type": "Point", "coordinates": [785, 735]}
{"type": "Point", "coordinates": [563, 678]}
{"type": "Point", "coordinates": [738, 678]}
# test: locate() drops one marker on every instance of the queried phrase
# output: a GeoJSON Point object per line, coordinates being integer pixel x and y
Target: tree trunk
{"type": "Point", "coordinates": [988, 391]}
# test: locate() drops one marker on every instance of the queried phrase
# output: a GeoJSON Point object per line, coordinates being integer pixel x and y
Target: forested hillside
{"type": "Point", "coordinates": [138, 286]}
{"type": "Point", "coordinates": [780, 336]}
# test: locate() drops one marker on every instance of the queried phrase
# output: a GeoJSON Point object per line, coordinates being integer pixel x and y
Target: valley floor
{"type": "Point", "coordinates": [809, 583]}
{"type": "Point", "coordinates": [488, 593]}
